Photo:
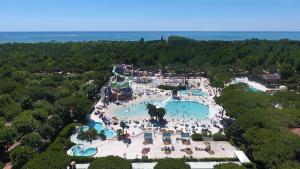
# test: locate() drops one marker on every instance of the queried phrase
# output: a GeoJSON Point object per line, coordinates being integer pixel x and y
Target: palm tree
{"type": "Point", "coordinates": [151, 110]}
{"type": "Point", "coordinates": [122, 125]}
{"type": "Point", "coordinates": [174, 92]}
{"type": "Point", "coordinates": [161, 112]}
{"type": "Point", "coordinates": [120, 134]}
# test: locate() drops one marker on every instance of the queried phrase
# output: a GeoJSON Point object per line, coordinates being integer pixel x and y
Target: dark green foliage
{"type": "Point", "coordinates": [173, 88]}
{"type": "Point", "coordinates": [49, 160]}
{"type": "Point", "coordinates": [197, 137]}
{"type": "Point", "coordinates": [286, 71]}
{"type": "Point", "coordinates": [171, 164]}
{"type": "Point", "coordinates": [219, 137]}
{"type": "Point", "coordinates": [229, 166]}
{"type": "Point", "coordinates": [33, 140]}
{"type": "Point", "coordinates": [20, 155]}
{"type": "Point", "coordinates": [89, 135]}
{"type": "Point", "coordinates": [110, 162]}
{"type": "Point", "coordinates": [259, 128]}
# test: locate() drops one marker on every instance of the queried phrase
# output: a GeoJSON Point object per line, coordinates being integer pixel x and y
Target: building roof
{"type": "Point", "coordinates": [270, 76]}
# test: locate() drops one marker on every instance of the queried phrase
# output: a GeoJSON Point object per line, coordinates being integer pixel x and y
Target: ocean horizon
{"type": "Point", "coordinates": [80, 36]}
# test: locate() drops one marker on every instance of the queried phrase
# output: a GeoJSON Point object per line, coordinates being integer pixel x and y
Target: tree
{"type": "Point", "coordinates": [55, 122]}
{"type": "Point", "coordinates": [286, 71]}
{"type": "Point", "coordinates": [49, 160]}
{"type": "Point", "coordinates": [151, 110]}
{"type": "Point", "coordinates": [263, 142]}
{"type": "Point", "coordinates": [24, 124]}
{"type": "Point", "coordinates": [33, 140]}
{"type": "Point", "coordinates": [123, 125]}
{"type": "Point", "coordinates": [90, 135]}
{"type": "Point", "coordinates": [7, 137]}
{"type": "Point", "coordinates": [110, 162]}
{"type": "Point", "coordinates": [74, 106]}
{"type": "Point", "coordinates": [229, 166]}
{"type": "Point", "coordinates": [20, 155]}
{"type": "Point", "coordinates": [161, 112]}
{"type": "Point", "coordinates": [171, 164]}
{"type": "Point", "coordinates": [174, 92]}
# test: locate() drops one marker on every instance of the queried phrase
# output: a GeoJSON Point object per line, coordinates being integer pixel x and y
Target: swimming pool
{"type": "Point", "coordinates": [253, 89]}
{"type": "Point", "coordinates": [186, 109]}
{"type": "Point", "coordinates": [100, 128]}
{"type": "Point", "coordinates": [174, 108]}
{"type": "Point", "coordinates": [194, 92]}
{"type": "Point", "coordinates": [81, 151]}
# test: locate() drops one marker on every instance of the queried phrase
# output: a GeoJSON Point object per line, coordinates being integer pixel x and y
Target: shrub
{"type": "Point", "coordinates": [110, 162]}
{"type": "Point", "coordinates": [197, 137]}
{"type": "Point", "coordinates": [166, 87]}
{"type": "Point", "coordinates": [219, 137]}
{"type": "Point", "coordinates": [229, 166]}
{"type": "Point", "coordinates": [171, 164]}
{"type": "Point", "coordinates": [49, 160]}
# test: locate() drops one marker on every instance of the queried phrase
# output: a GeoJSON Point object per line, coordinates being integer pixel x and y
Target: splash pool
{"type": "Point", "coordinates": [174, 108]}
{"type": "Point", "coordinates": [100, 128]}
{"type": "Point", "coordinates": [81, 151]}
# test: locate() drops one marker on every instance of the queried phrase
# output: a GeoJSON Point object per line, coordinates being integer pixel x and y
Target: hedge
{"type": "Point", "coordinates": [110, 162]}
{"type": "Point", "coordinates": [165, 87]}
{"type": "Point", "coordinates": [229, 166]}
{"type": "Point", "coordinates": [49, 160]}
{"type": "Point", "coordinates": [197, 137]}
{"type": "Point", "coordinates": [219, 137]}
{"type": "Point", "coordinates": [172, 164]}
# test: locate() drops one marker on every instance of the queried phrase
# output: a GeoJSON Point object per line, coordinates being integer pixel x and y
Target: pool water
{"type": "Point", "coordinates": [186, 109]}
{"type": "Point", "coordinates": [79, 151]}
{"type": "Point", "coordinates": [253, 89]}
{"type": "Point", "coordinates": [100, 128]}
{"type": "Point", "coordinates": [134, 110]}
{"type": "Point", "coordinates": [174, 108]}
{"type": "Point", "coordinates": [194, 92]}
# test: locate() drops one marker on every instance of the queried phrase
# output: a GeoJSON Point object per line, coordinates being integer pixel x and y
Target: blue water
{"type": "Point", "coordinates": [174, 109]}
{"type": "Point", "coordinates": [186, 110]}
{"type": "Point", "coordinates": [253, 89]}
{"type": "Point", "coordinates": [29, 37]}
{"type": "Point", "coordinates": [193, 91]}
{"type": "Point", "coordinates": [134, 110]}
{"type": "Point", "coordinates": [100, 128]}
{"type": "Point", "coordinates": [77, 151]}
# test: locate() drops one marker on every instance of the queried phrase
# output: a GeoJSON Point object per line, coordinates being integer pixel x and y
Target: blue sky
{"type": "Point", "coordinates": [149, 15]}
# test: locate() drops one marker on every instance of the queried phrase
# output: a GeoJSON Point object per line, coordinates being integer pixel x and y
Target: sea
{"type": "Point", "coordinates": [35, 37]}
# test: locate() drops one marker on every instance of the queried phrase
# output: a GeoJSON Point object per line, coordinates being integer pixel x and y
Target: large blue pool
{"type": "Point", "coordinates": [175, 109]}
{"type": "Point", "coordinates": [80, 151]}
{"type": "Point", "coordinates": [100, 128]}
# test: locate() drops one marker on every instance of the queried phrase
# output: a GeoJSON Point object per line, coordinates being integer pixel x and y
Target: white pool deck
{"type": "Point", "coordinates": [253, 84]}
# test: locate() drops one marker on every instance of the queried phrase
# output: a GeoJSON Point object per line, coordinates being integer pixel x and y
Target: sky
{"type": "Point", "coordinates": [149, 15]}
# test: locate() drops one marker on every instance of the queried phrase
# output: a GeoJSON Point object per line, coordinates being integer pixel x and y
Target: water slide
{"type": "Point", "coordinates": [118, 85]}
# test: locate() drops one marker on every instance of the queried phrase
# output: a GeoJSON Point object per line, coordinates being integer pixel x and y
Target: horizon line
{"type": "Point", "coordinates": [31, 31]}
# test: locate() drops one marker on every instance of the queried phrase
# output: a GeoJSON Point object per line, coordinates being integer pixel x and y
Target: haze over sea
{"type": "Point", "coordinates": [34, 37]}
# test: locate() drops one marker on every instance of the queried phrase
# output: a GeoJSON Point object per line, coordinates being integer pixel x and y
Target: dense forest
{"type": "Point", "coordinates": [45, 87]}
